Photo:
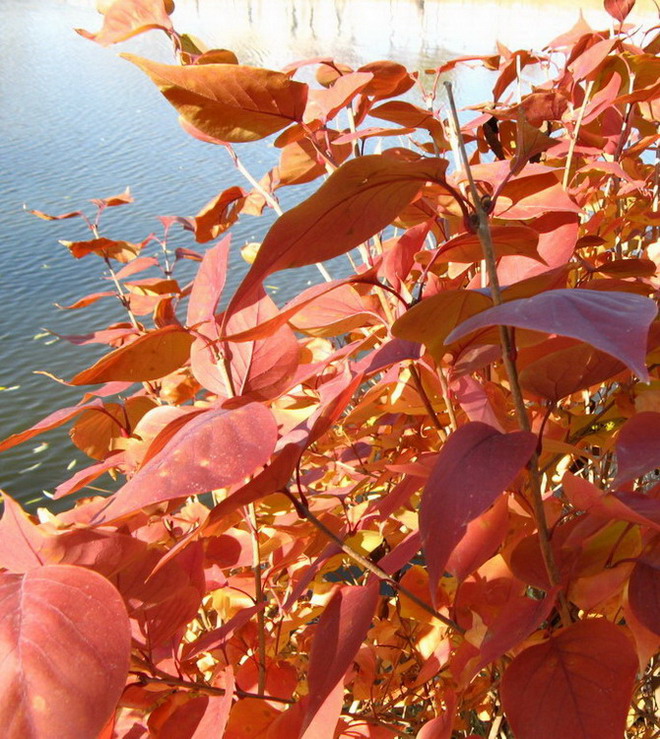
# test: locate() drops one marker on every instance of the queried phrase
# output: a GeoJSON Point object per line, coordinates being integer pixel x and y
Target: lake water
{"type": "Point", "coordinates": [78, 122]}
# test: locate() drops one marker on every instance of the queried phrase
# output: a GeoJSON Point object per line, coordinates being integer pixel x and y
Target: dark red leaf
{"type": "Point", "coordinates": [65, 644]}
{"type": "Point", "coordinates": [577, 685]}
{"type": "Point", "coordinates": [644, 588]}
{"type": "Point", "coordinates": [341, 629]}
{"type": "Point", "coordinates": [473, 468]}
{"type": "Point", "coordinates": [637, 447]}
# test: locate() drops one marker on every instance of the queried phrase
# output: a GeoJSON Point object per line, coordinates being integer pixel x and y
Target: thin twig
{"type": "Point", "coordinates": [508, 354]}
{"type": "Point", "coordinates": [370, 566]}
{"type": "Point", "coordinates": [259, 597]}
{"type": "Point", "coordinates": [574, 137]}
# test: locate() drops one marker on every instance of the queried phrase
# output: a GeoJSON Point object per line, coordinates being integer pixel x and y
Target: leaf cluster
{"type": "Point", "coordinates": [416, 500]}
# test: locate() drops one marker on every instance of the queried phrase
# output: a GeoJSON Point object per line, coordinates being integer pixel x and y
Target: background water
{"type": "Point", "coordinates": [78, 122]}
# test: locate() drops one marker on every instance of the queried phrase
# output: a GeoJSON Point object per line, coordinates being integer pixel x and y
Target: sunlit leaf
{"type": "Point", "coordinates": [359, 199]}
{"type": "Point", "coordinates": [65, 651]}
{"type": "Point", "coordinates": [126, 18]}
{"type": "Point", "coordinates": [213, 450]}
{"type": "Point", "coordinates": [229, 102]}
{"type": "Point", "coordinates": [615, 323]}
{"type": "Point", "coordinates": [149, 357]}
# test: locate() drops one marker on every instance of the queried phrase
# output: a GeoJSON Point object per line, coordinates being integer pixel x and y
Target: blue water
{"type": "Point", "coordinates": [78, 122]}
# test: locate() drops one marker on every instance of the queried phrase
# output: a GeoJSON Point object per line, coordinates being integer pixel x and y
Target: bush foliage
{"type": "Point", "coordinates": [418, 500]}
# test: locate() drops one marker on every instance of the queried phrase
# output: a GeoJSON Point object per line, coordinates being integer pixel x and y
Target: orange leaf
{"type": "Point", "coordinates": [229, 102]}
{"type": "Point", "coordinates": [149, 357]}
{"type": "Point", "coordinates": [357, 201]}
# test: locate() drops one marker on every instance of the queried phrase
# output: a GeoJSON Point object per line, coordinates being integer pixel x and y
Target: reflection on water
{"type": "Point", "coordinates": [77, 122]}
{"type": "Point", "coordinates": [411, 31]}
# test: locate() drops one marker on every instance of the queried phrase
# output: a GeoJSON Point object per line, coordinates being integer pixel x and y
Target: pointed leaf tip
{"type": "Point", "coordinates": [473, 468]}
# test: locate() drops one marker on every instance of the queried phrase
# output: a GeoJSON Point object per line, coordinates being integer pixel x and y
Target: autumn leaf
{"type": "Point", "coordinates": [229, 102]}
{"type": "Point", "coordinates": [341, 629]}
{"type": "Point", "coordinates": [475, 465]}
{"type": "Point", "coordinates": [213, 450]}
{"type": "Point", "coordinates": [359, 199]}
{"type": "Point", "coordinates": [126, 18]}
{"type": "Point", "coordinates": [578, 684]}
{"type": "Point", "coordinates": [614, 322]}
{"type": "Point", "coordinates": [637, 447]}
{"type": "Point", "coordinates": [65, 651]}
{"type": "Point", "coordinates": [149, 357]}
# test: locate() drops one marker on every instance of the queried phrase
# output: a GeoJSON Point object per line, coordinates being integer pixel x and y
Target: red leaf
{"type": "Point", "coordinates": [124, 198]}
{"type": "Point", "coordinates": [519, 617]}
{"type": "Point", "coordinates": [389, 79]}
{"type": "Point", "coordinates": [324, 104]}
{"type": "Point", "coordinates": [483, 535]}
{"type": "Point", "coordinates": [50, 422]}
{"type": "Point", "coordinates": [633, 507]}
{"type": "Point", "coordinates": [87, 300]}
{"type": "Point", "coordinates": [637, 447]}
{"type": "Point", "coordinates": [213, 450]}
{"type": "Point", "coordinates": [21, 540]}
{"type": "Point", "coordinates": [229, 102]}
{"type": "Point", "coordinates": [65, 644]}
{"type": "Point", "coordinates": [616, 323]}
{"type": "Point", "coordinates": [474, 466]}
{"type": "Point", "coordinates": [209, 284]}
{"type": "Point", "coordinates": [126, 18]}
{"type": "Point", "coordinates": [122, 251]}
{"type": "Point", "coordinates": [359, 199]}
{"type": "Point", "coordinates": [644, 588]}
{"type": "Point", "coordinates": [204, 717]}
{"type": "Point", "coordinates": [577, 685]}
{"type": "Point", "coordinates": [149, 357]}
{"type": "Point", "coordinates": [340, 632]}
{"type": "Point", "coordinates": [259, 369]}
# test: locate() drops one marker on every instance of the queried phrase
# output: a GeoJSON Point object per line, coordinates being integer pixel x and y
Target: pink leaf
{"type": "Point", "coordinates": [209, 283]}
{"type": "Point", "coordinates": [213, 450]}
{"type": "Point", "coordinates": [65, 644]}
{"type": "Point", "coordinates": [614, 322]}
{"type": "Point", "coordinates": [619, 9]}
{"type": "Point", "coordinates": [473, 468]}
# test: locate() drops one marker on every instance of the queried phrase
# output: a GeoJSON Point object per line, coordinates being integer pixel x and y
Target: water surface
{"type": "Point", "coordinates": [78, 122]}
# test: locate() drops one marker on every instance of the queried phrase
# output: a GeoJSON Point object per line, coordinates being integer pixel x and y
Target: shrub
{"type": "Point", "coordinates": [414, 501]}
